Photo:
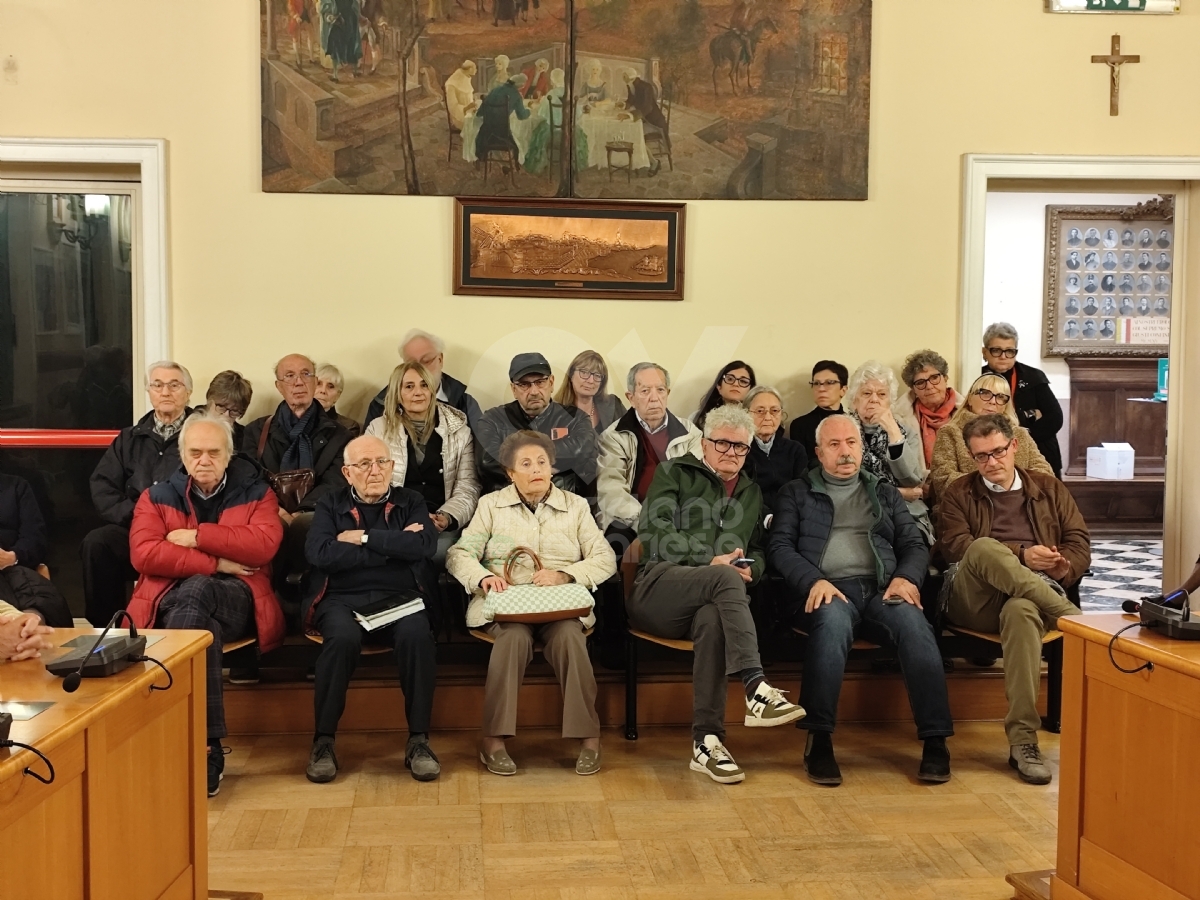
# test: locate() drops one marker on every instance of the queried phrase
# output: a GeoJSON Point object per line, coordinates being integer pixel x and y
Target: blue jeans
{"type": "Point", "coordinates": [831, 629]}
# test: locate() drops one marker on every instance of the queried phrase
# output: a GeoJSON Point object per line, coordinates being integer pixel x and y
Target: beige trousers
{"type": "Point", "coordinates": [565, 650]}
{"type": "Point", "coordinates": [993, 592]}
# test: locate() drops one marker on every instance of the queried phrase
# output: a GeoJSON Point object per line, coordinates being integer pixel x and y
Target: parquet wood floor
{"type": "Point", "coordinates": [645, 828]}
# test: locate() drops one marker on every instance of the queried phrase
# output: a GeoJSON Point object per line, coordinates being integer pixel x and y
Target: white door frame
{"type": "Point", "coordinates": [1180, 511]}
{"type": "Point", "coordinates": [150, 155]}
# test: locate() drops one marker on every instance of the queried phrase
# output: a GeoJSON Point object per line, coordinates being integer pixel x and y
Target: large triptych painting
{"type": "Point", "coordinates": [635, 99]}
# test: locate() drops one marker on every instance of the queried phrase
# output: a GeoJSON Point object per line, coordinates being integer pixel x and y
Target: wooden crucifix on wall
{"type": "Point", "coordinates": [1114, 61]}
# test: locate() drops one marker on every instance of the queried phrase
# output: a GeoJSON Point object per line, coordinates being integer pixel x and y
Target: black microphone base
{"type": "Point", "coordinates": [1169, 622]}
{"type": "Point", "coordinates": [113, 655]}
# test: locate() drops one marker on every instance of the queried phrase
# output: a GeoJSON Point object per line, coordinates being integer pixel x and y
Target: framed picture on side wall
{"type": "Point", "coordinates": [1112, 6]}
{"type": "Point", "coordinates": [568, 248]}
{"type": "Point", "coordinates": [1110, 271]}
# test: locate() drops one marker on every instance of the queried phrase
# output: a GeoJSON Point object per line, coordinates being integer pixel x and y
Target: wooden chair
{"type": "Point", "coordinates": [367, 649]}
{"type": "Point", "coordinates": [659, 138]}
{"type": "Point", "coordinates": [505, 156]}
{"type": "Point", "coordinates": [620, 147]}
{"type": "Point", "coordinates": [859, 643]}
{"type": "Point", "coordinates": [44, 571]}
{"type": "Point", "coordinates": [538, 646]}
{"type": "Point", "coordinates": [451, 133]}
{"type": "Point", "coordinates": [1052, 650]}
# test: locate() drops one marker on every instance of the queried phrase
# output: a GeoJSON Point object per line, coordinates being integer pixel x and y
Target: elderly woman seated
{"type": "Point", "coordinates": [891, 446]}
{"type": "Point", "coordinates": [926, 373]}
{"type": "Point", "coordinates": [774, 460]}
{"type": "Point", "coordinates": [229, 396]}
{"type": "Point", "coordinates": [990, 394]}
{"type": "Point", "coordinates": [433, 450]}
{"type": "Point", "coordinates": [532, 512]}
{"type": "Point", "coordinates": [329, 390]}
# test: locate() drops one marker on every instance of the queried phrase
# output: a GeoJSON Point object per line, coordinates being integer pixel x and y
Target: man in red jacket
{"type": "Point", "coordinates": [202, 542]}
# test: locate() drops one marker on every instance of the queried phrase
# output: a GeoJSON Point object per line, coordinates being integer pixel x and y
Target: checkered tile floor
{"type": "Point", "coordinates": [1121, 570]}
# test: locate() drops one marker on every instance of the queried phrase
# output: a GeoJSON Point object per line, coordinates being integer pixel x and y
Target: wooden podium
{"type": "Point", "coordinates": [127, 814]}
{"type": "Point", "coordinates": [1127, 792]}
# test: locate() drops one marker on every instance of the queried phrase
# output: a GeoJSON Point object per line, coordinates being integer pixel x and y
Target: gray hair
{"type": "Point", "coordinates": [919, 360]}
{"type": "Point", "coordinates": [730, 416]}
{"type": "Point", "coordinates": [1001, 330]}
{"type": "Point", "coordinates": [312, 365]}
{"type": "Point", "coordinates": [631, 379]}
{"type": "Point", "coordinates": [519, 79]}
{"type": "Point", "coordinates": [201, 418]}
{"type": "Point", "coordinates": [332, 373]}
{"type": "Point", "coordinates": [762, 389]}
{"type": "Point", "coordinates": [872, 370]}
{"type": "Point", "coordinates": [414, 333]}
{"type": "Point", "coordinates": [837, 417]}
{"type": "Point", "coordinates": [170, 364]}
{"type": "Point", "coordinates": [387, 451]}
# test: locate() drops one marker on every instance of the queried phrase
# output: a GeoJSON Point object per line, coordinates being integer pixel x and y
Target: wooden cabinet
{"type": "Point", "coordinates": [126, 815]}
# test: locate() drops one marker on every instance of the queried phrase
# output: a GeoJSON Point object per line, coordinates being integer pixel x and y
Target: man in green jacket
{"type": "Point", "coordinates": [701, 546]}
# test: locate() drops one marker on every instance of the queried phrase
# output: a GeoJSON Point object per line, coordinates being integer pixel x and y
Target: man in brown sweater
{"type": "Point", "coordinates": [1019, 540]}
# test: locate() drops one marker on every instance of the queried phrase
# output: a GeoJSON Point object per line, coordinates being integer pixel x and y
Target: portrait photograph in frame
{"type": "Point", "coordinates": [1110, 273]}
{"type": "Point", "coordinates": [564, 248]}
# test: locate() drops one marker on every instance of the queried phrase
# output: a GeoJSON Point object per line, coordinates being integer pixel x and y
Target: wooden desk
{"type": "Point", "coordinates": [127, 814]}
{"type": "Point", "coordinates": [1128, 794]}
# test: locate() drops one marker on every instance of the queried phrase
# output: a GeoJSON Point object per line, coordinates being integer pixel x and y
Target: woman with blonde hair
{"type": "Point", "coordinates": [989, 394]}
{"type": "Point", "coordinates": [433, 450]}
{"type": "Point", "coordinates": [585, 389]}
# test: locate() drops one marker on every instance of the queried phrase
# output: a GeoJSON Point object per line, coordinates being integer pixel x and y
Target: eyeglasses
{"type": "Point", "coordinates": [1011, 352]}
{"type": "Point", "coordinates": [998, 454]}
{"type": "Point", "coordinates": [824, 384]}
{"type": "Point", "coordinates": [732, 380]}
{"type": "Point", "coordinates": [233, 412]}
{"type": "Point", "coordinates": [724, 447]}
{"type": "Point", "coordinates": [158, 387]}
{"type": "Point", "coordinates": [530, 385]}
{"type": "Point", "coordinates": [296, 377]}
{"type": "Point", "coordinates": [987, 396]}
{"type": "Point", "coordinates": [762, 411]}
{"type": "Point", "coordinates": [932, 381]}
{"type": "Point", "coordinates": [365, 465]}
{"type": "Point", "coordinates": [589, 376]}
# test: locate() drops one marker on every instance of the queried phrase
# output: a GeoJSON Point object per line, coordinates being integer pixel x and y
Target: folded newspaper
{"type": "Point", "coordinates": [388, 611]}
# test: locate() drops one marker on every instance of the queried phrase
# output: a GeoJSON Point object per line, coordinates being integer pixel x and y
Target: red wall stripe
{"type": "Point", "coordinates": [53, 437]}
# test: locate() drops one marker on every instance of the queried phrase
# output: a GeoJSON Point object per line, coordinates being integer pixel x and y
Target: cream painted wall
{"type": "Point", "coordinates": [256, 275]}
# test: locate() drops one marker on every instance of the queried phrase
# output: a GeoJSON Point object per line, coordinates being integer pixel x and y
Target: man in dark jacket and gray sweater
{"type": "Point", "coordinates": [140, 456]}
{"type": "Point", "coordinates": [370, 543]}
{"type": "Point", "coordinates": [430, 351]}
{"type": "Point", "coordinates": [848, 548]}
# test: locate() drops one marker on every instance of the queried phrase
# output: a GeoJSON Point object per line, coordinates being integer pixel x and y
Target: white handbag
{"type": "Point", "coordinates": [535, 605]}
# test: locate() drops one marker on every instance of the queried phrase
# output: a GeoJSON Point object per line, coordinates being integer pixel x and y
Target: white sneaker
{"type": "Point", "coordinates": [714, 760]}
{"type": "Point", "coordinates": [767, 708]}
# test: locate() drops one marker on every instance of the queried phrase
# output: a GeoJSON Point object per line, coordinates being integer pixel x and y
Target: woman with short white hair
{"type": "Point", "coordinates": [329, 390]}
{"type": "Point", "coordinates": [892, 450]}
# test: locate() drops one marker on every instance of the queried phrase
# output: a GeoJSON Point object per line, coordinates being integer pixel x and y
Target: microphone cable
{"type": "Point", "coordinates": [1146, 666]}
{"type": "Point", "coordinates": [39, 754]}
{"type": "Point", "coordinates": [170, 677]}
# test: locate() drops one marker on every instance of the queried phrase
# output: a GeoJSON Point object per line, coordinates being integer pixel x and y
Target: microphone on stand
{"type": "Point", "coordinates": [71, 682]}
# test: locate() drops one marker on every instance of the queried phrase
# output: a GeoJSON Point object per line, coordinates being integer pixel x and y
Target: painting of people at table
{"type": "Point", "coordinates": [653, 99]}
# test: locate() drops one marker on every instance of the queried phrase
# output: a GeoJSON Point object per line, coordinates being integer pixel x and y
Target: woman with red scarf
{"type": "Point", "coordinates": [933, 400]}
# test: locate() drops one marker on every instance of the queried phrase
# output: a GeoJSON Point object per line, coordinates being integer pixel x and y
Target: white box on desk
{"type": "Point", "coordinates": [1110, 461]}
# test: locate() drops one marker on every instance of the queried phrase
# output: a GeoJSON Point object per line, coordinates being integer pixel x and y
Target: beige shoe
{"type": "Point", "coordinates": [498, 763]}
{"type": "Point", "coordinates": [588, 762]}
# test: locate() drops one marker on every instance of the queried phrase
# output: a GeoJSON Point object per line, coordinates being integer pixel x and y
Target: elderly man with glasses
{"type": "Point", "coordinates": [576, 445]}
{"type": "Point", "coordinates": [1016, 540]}
{"type": "Point", "coordinates": [370, 546]}
{"type": "Point", "coordinates": [1036, 406]}
{"type": "Point", "coordinates": [141, 455]}
{"type": "Point", "coordinates": [701, 536]}
{"type": "Point", "coordinates": [430, 351]}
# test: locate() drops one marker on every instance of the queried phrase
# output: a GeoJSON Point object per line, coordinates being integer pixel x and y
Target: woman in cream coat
{"type": "Point", "coordinates": [433, 450]}
{"type": "Point", "coordinates": [990, 394]}
{"type": "Point", "coordinates": [558, 526]}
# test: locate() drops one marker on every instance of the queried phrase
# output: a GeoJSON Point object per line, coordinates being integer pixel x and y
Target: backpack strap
{"type": "Point", "coordinates": [262, 438]}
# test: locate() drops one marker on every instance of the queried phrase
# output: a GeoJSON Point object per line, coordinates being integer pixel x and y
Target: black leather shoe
{"type": "Point", "coordinates": [819, 763]}
{"type": "Point", "coordinates": [935, 761]}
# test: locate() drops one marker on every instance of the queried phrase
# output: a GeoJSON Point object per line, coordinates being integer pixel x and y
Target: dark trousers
{"type": "Point", "coordinates": [221, 604]}
{"type": "Point", "coordinates": [416, 657]}
{"type": "Point", "coordinates": [707, 605]}
{"type": "Point", "coordinates": [106, 568]}
{"type": "Point", "coordinates": [831, 629]}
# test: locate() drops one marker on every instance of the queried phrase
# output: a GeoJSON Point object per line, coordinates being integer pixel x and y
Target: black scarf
{"type": "Point", "coordinates": [876, 450]}
{"type": "Point", "coordinates": [299, 454]}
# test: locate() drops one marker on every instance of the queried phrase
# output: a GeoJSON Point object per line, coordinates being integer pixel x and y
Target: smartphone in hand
{"type": "Point", "coordinates": [743, 562]}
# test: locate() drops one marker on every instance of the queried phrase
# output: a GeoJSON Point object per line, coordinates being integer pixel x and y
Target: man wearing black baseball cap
{"type": "Point", "coordinates": [575, 443]}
